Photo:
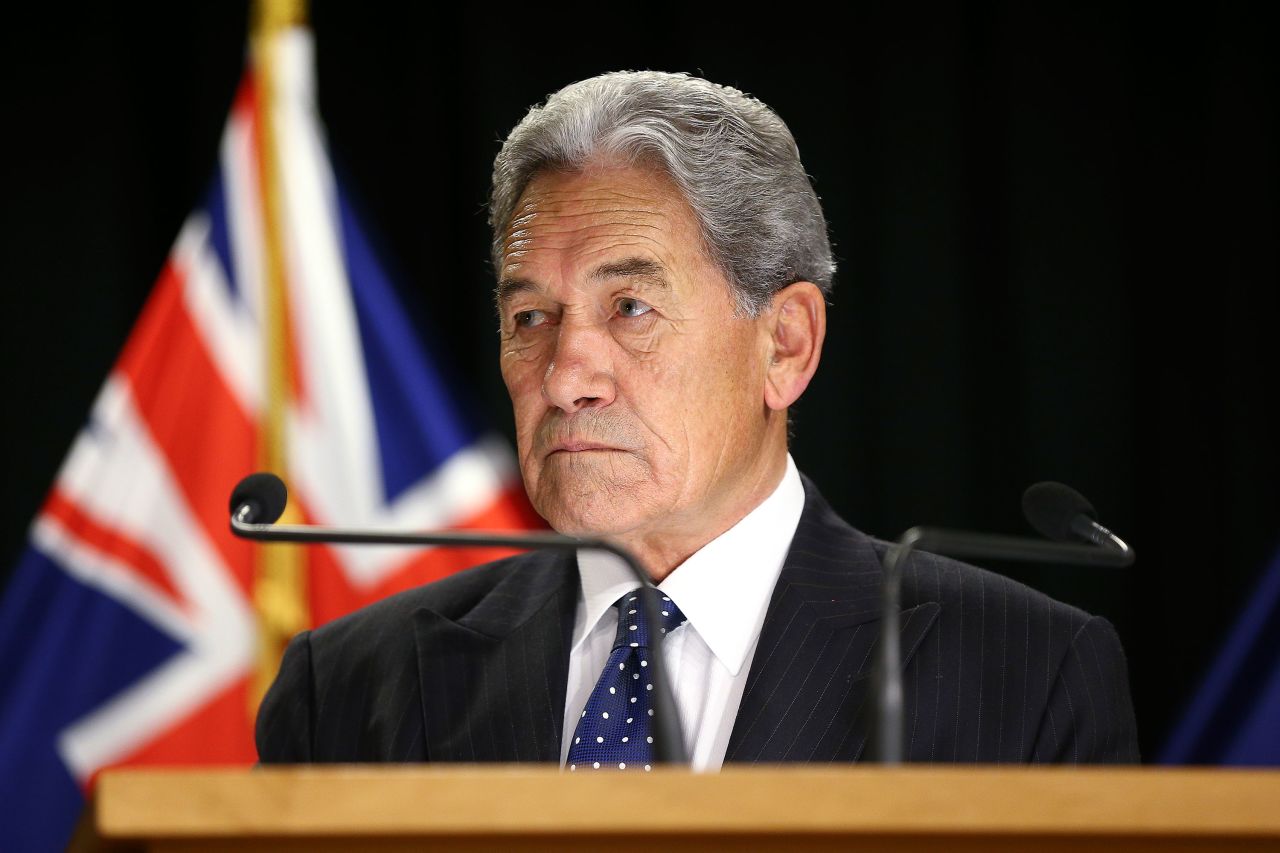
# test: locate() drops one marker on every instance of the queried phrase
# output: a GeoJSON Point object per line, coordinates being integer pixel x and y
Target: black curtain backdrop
{"type": "Point", "coordinates": [1056, 228]}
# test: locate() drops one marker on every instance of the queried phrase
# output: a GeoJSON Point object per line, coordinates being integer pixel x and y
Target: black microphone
{"type": "Point", "coordinates": [1062, 514]}
{"type": "Point", "coordinates": [259, 499]}
{"type": "Point", "coordinates": [1057, 511]}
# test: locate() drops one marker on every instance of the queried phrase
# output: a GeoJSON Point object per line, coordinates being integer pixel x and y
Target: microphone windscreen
{"type": "Point", "coordinates": [265, 493]}
{"type": "Point", "coordinates": [1050, 507]}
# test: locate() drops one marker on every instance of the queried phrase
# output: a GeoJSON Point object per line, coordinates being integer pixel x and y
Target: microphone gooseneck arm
{"type": "Point", "coordinates": [669, 741]}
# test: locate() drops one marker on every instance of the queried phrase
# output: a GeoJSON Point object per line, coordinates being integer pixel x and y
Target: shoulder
{"type": "Point", "coordinates": [342, 688]}
{"type": "Point", "coordinates": [998, 671]}
{"type": "Point", "coordinates": [976, 607]}
{"type": "Point", "coordinates": [964, 588]}
{"type": "Point", "coordinates": [452, 597]}
{"type": "Point", "coordinates": [955, 585]}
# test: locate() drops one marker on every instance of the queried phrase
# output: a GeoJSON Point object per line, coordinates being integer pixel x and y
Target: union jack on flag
{"type": "Point", "coordinates": [135, 629]}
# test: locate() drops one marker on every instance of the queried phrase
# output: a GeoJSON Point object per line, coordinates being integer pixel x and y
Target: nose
{"type": "Point", "coordinates": [580, 374]}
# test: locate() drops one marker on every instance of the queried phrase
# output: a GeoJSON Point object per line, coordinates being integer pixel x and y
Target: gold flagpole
{"type": "Point", "coordinates": [279, 592]}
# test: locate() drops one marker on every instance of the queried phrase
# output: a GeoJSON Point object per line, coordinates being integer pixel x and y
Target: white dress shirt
{"type": "Point", "coordinates": [723, 590]}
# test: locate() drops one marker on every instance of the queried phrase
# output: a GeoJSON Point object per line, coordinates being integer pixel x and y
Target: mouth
{"type": "Point", "coordinates": [582, 447]}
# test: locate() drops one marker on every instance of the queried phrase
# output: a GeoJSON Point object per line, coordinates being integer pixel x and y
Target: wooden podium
{"type": "Point", "coordinates": [471, 807]}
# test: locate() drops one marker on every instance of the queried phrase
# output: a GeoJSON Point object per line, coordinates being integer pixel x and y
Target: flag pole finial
{"type": "Point", "coordinates": [269, 16]}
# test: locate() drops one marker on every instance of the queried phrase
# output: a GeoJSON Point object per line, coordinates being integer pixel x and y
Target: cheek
{"type": "Point", "coordinates": [732, 391]}
{"type": "Point", "coordinates": [521, 380]}
{"type": "Point", "coordinates": [524, 387]}
{"type": "Point", "coordinates": [726, 359]}
{"type": "Point", "coordinates": [523, 367]}
{"type": "Point", "coordinates": [691, 403]}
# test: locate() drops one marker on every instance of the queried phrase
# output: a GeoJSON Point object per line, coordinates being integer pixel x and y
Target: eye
{"type": "Point", "coordinates": [629, 307]}
{"type": "Point", "coordinates": [529, 319]}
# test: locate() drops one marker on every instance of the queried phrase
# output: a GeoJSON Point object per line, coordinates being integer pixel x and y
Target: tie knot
{"type": "Point", "coordinates": [632, 630]}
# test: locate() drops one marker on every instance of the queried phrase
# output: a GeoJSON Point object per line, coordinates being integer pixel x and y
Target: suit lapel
{"type": "Point", "coordinates": [807, 690]}
{"type": "Point", "coordinates": [493, 678]}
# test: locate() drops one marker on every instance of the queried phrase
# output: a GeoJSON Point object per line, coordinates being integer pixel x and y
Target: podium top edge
{"type": "Point", "coordinates": [460, 800]}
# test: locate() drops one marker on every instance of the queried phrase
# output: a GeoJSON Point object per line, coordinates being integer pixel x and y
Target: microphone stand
{"type": "Point", "coordinates": [886, 743]}
{"type": "Point", "coordinates": [669, 738]}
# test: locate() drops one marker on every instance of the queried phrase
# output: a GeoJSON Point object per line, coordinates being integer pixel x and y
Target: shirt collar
{"type": "Point", "coordinates": [723, 589]}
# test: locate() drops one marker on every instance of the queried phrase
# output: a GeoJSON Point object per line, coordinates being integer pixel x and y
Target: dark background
{"type": "Point", "coordinates": [1056, 228]}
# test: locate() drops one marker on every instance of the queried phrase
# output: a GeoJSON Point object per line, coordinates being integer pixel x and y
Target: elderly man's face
{"type": "Point", "coordinates": [637, 390]}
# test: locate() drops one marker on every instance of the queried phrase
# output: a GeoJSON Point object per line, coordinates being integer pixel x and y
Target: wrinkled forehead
{"type": "Point", "coordinates": [591, 213]}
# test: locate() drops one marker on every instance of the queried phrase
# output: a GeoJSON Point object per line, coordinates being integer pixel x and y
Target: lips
{"type": "Point", "coordinates": [579, 447]}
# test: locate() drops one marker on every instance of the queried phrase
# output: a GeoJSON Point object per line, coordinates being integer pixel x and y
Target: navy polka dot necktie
{"type": "Point", "coordinates": [615, 730]}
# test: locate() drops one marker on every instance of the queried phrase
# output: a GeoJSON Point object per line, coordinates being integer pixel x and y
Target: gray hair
{"type": "Point", "coordinates": [732, 157]}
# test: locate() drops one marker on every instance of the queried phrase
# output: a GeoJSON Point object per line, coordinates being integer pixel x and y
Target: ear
{"type": "Point", "coordinates": [798, 325]}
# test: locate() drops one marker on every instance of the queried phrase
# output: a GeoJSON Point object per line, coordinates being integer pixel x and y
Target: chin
{"type": "Point", "coordinates": [596, 512]}
{"type": "Point", "coordinates": [591, 500]}
{"type": "Point", "coordinates": [595, 518]}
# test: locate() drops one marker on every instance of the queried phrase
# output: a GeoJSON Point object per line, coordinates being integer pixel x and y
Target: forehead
{"type": "Point", "coordinates": [590, 216]}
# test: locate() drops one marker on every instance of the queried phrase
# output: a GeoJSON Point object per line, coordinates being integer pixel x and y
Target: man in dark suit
{"type": "Point", "coordinates": [663, 263]}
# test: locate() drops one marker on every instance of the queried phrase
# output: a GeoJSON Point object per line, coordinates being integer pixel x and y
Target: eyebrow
{"type": "Point", "coordinates": [632, 268]}
{"type": "Point", "coordinates": [642, 268]}
{"type": "Point", "coordinates": [509, 287]}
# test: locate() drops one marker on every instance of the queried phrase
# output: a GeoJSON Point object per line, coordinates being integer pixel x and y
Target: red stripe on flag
{"type": "Point", "coordinates": [195, 420]}
{"type": "Point", "coordinates": [246, 96]}
{"type": "Point", "coordinates": [113, 544]}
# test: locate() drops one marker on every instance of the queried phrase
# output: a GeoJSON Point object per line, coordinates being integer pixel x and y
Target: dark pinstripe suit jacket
{"type": "Point", "coordinates": [474, 667]}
